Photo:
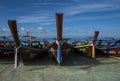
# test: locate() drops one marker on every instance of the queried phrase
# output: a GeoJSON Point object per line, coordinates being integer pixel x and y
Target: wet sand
{"type": "Point", "coordinates": [74, 68]}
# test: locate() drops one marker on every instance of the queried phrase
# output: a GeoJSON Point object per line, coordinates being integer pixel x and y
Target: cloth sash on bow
{"type": "Point", "coordinates": [59, 56]}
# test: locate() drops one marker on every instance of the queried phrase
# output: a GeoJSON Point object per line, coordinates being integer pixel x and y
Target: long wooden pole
{"type": "Point", "coordinates": [94, 41]}
{"type": "Point", "coordinates": [95, 37]}
{"type": "Point", "coordinates": [13, 28]}
{"type": "Point", "coordinates": [59, 20]}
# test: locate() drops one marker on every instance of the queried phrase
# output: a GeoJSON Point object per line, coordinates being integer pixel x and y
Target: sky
{"type": "Point", "coordinates": [80, 17]}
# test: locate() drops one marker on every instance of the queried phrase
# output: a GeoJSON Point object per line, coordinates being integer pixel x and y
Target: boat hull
{"type": "Point", "coordinates": [66, 49]}
{"type": "Point", "coordinates": [6, 51]}
{"type": "Point", "coordinates": [114, 51]}
{"type": "Point", "coordinates": [27, 53]}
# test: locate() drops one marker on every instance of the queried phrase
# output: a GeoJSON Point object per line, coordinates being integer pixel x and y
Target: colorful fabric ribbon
{"type": "Point", "coordinates": [59, 56]}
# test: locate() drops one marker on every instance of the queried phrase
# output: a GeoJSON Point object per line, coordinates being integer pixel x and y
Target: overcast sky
{"type": "Point", "coordinates": [81, 17]}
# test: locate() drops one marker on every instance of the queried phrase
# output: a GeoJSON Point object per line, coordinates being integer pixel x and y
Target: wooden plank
{"type": "Point", "coordinates": [13, 28]}
{"type": "Point", "coordinates": [59, 20]}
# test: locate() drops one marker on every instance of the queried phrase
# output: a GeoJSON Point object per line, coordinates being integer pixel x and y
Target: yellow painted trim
{"type": "Point", "coordinates": [83, 46]}
{"type": "Point", "coordinates": [93, 51]}
{"type": "Point", "coordinates": [88, 45]}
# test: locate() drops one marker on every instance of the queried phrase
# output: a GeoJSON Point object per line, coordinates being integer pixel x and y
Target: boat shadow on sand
{"type": "Point", "coordinates": [7, 60]}
{"type": "Point", "coordinates": [73, 59]}
{"type": "Point", "coordinates": [78, 59]}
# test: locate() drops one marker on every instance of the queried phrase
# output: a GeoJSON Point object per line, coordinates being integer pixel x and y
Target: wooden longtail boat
{"type": "Point", "coordinates": [108, 47]}
{"type": "Point", "coordinates": [59, 49]}
{"type": "Point", "coordinates": [6, 46]}
{"type": "Point", "coordinates": [101, 47]}
{"type": "Point", "coordinates": [24, 51]}
{"type": "Point", "coordinates": [88, 48]}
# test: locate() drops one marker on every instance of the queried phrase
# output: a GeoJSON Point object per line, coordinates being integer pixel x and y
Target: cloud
{"type": "Point", "coordinates": [42, 19]}
{"type": "Point", "coordinates": [22, 30]}
{"type": "Point", "coordinates": [43, 11]}
{"type": "Point", "coordinates": [4, 31]}
{"type": "Point", "coordinates": [47, 3]}
{"type": "Point", "coordinates": [41, 30]}
{"type": "Point", "coordinates": [92, 7]}
{"type": "Point", "coordinates": [108, 16]}
{"type": "Point", "coordinates": [25, 19]}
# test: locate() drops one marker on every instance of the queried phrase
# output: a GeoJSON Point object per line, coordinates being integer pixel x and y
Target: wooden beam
{"type": "Point", "coordinates": [13, 28]}
{"type": "Point", "coordinates": [59, 20]}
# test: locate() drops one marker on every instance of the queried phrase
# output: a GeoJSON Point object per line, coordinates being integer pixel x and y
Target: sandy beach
{"type": "Point", "coordinates": [74, 68]}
